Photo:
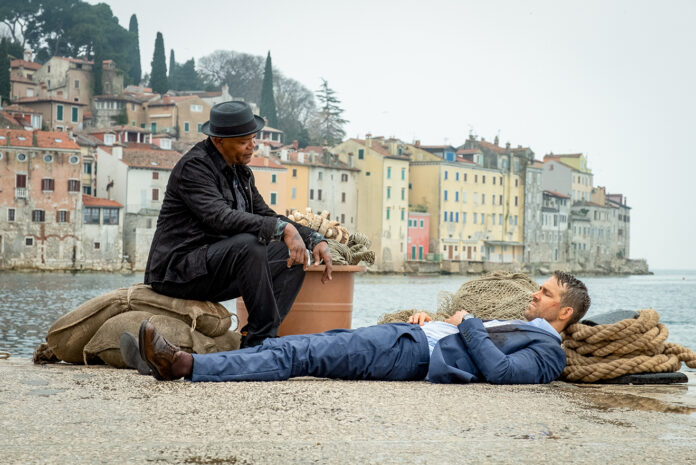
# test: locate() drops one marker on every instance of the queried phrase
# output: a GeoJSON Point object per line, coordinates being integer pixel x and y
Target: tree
{"type": "Point", "coordinates": [4, 71]}
{"type": "Point", "coordinates": [330, 122]}
{"type": "Point", "coordinates": [172, 71]}
{"type": "Point", "coordinates": [187, 77]}
{"type": "Point", "coordinates": [135, 68]}
{"type": "Point", "coordinates": [158, 76]}
{"type": "Point", "coordinates": [16, 15]}
{"type": "Point", "coordinates": [268, 106]}
{"type": "Point", "coordinates": [97, 68]}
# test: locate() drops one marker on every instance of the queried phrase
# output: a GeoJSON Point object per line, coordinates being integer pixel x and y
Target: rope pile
{"type": "Point", "coordinates": [356, 250]}
{"type": "Point", "coordinates": [499, 295]}
{"type": "Point", "coordinates": [321, 223]}
{"type": "Point", "coordinates": [627, 347]}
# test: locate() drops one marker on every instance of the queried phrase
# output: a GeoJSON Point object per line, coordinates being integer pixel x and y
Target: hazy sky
{"type": "Point", "coordinates": [612, 79]}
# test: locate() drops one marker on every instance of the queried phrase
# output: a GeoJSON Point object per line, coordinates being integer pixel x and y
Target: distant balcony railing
{"type": "Point", "coordinates": [20, 192]}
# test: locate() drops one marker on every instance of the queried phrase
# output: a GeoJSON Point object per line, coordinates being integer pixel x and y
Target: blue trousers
{"type": "Point", "coordinates": [394, 352]}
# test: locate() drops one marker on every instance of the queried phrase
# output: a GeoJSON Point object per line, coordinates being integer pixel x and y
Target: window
{"type": "Point", "coordinates": [62, 216]}
{"type": "Point", "coordinates": [47, 185]}
{"type": "Point", "coordinates": [483, 199]}
{"type": "Point", "coordinates": [186, 126]}
{"type": "Point", "coordinates": [493, 180]}
{"type": "Point", "coordinates": [389, 193]}
{"type": "Point", "coordinates": [38, 216]}
{"type": "Point", "coordinates": [403, 193]}
{"type": "Point", "coordinates": [475, 218]}
{"type": "Point", "coordinates": [388, 212]}
{"type": "Point", "coordinates": [74, 160]}
{"type": "Point", "coordinates": [73, 185]}
{"type": "Point", "coordinates": [445, 216]}
{"type": "Point", "coordinates": [110, 215]}
{"type": "Point", "coordinates": [464, 177]}
{"type": "Point", "coordinates": [294, 193]}
{"type": "Point", "coordinates": [445, 175]}
{"type": "Point", "coordinates": [274, 198]}
{"type": "Point", "coordinates": [343, 217]}
{"type": "Point", "coordinates": [344, 177]}
{"type": "Point", "coordinates": [153, 127]}
{"type": "Point", "coordinates": [445, 194]}
{"type": "Point", "coordinates": [318, 194]}
{"type": "Point", "coordinates": [75, 114]}
{"type": "Point", "coordinates": [361, 154]}
{"type": "Point", "coordinates": [483, 179]}
{"type": "Point", "coordinates": [195, 108]}
{"type": "Point", "coordinates": [87, 190]}
{"type": "Point", "coordinates": [476, 178]}
{"type": "Point", "coordinates": [319, 175]}
{"type": "Point", "coordinates": [97, 245]}
{"type": "Point", "coordinates": [59, 112]}
{"type": "Point", "coordinates": [21, 181]}
{"type": "Point", "coordinates": [388, 172]}
{"type": "Point", "coordinates": [77, 84]}
{"type": "Point", "coordinates": [109, 139]}
{"type": "Point", "coordinates": [87, 168]}
{"type": "Point", "coordinates": [10, 214]}
{"type": "Point", "coordinates": [456, 176]}
{"type": "Point", "coordinates": [343, 197]}
{"type": "Point", "coordinates": [21, 157]}
{"type": "Point", "coordinates": [273, 178]}
{"type": "Point", "coordinates": [421, 223]}
{"type": "Point", "coordinates": [29, 241]}
{"type": "Point", "coordinates": [90, 215]}
{"type": "Point", "coordinates": [294, 172]}
{"type": "Point", "coordinates": [155, 195]}
{"type": "Point", "coordinates": [199, 128]}
{"type": "Point", "coordinates": [463, 217]}
{"type": "Point", "coordinates": [515, 200]}
{"type": "Point", "coordinates": [48, 158]}
{"type": "Point", "coordinates": [311, 194]}
{"type": "Point", "coordinates": [517, 181]}
{"type": "Point", "coordinates": [403, 214]}
{"type": "Point", "coordinates": [403, 174]}
{"type": "Point", "coordinates": [155, 175]}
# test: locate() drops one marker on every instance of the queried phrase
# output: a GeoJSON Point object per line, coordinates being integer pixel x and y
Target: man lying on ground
{"type": "Point", "coordinates": [462, 349]}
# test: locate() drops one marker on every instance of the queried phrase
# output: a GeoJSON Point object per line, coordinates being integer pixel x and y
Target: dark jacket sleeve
{"type": "Point", "coordinates": [535, 363]}
{"type": "Point", "coordinates": [200, 191]}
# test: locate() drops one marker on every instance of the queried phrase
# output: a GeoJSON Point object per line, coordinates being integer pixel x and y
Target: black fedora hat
{"type": "Point", "coordinates": [232, 119]}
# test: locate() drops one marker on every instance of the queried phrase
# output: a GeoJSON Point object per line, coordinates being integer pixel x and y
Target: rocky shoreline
{"type": "Point", "coordinates": [86, 415]}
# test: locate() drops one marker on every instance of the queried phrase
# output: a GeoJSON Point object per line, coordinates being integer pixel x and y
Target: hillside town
{"type": "Point", "coordinates": [83, 176]}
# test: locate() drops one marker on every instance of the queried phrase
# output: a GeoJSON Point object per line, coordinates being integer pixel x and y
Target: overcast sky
{"type": "Point", "coordinates": [612, 79]}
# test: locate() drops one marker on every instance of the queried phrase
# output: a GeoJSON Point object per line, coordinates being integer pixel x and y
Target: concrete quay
{"type": "Point", "coordinates": [66, 414]}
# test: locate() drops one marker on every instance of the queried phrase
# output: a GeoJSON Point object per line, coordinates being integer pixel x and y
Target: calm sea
{"type": "Point", "coordinates": [30, 302]}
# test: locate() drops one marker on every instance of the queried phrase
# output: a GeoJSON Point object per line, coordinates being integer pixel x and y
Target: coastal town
{"type": "Point", "coordinates": [83, 176]}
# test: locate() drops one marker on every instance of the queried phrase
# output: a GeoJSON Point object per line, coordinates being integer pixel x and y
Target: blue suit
{"type": "Point", "coordinates": [510, 354]}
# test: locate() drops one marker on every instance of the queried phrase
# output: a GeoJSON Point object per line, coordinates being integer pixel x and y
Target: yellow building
{"type": "Point", "coordinates": [271, 182]}
{"type": "Point", "coordinates": [571, 170]}
{"type": "Point", "coordinates": [297, 183]}
{"type": "Point", "coordinates": [382, 200]}
{"type": "Point", "coordinates": [476, 213]}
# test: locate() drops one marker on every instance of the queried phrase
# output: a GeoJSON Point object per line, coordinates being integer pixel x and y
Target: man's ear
{"type": "Point", "coordinates": [565, 314]}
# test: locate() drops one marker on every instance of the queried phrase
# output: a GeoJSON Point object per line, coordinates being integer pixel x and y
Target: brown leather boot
{"type": "Point", "coordinates": [164, 358]}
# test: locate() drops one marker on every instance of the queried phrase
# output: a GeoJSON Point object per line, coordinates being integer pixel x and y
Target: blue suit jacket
{"type": "Point", "coordinates": [509, 354]}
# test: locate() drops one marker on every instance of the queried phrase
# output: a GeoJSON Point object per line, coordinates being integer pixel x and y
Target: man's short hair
{"type": "Point", "coordinates": [574, 295]}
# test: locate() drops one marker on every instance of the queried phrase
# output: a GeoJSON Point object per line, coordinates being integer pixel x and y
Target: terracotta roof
{"type": "Point", "coordinates": [11, 121]}
{"type": "Point", "coordinates": [464, 160]}
{"type": "Point", "coordinates": [380, 147]}
{"type": "Point", "coordinates": [312, 148]}
{"type": "Point", "coordinates": [24, 64]}
{"type": "Point", "coordinates": [556, 194]}
{"type": "Point", "coordinates": [150, 158]}
{"type": "Point", "coordinates": [263, 162]}
{"type": "Point", "coordinates": [16, 76]}
{"type": "Point", "coordinates": [492, 147]}
{"type": "Point", "coordinates": [141, 146]}
{"type": "Point", "coordinates": [14, 108]}
{"type": "Point", "coordinates": [536, 164]}
{"type": "Point", "coordinates": [91, 201]}
{"type": "Point", "coordinates": [468, 151]}
{"type": "Point", "coordinates": [44, 139]}
{"type": "Point", "coordinates": [28, 100]}
{"type": "Point", "coordinates": [75, 60]}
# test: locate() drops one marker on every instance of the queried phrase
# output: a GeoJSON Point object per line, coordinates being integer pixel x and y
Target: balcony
{"type": "Point", "coordinates": [20, 192]}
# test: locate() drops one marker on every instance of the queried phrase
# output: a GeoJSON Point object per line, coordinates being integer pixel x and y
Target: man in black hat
{"type": "Point", "coordinates": [217, 239]}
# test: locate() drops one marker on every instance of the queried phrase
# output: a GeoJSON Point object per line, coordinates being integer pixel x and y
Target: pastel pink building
{"type": "Point", "coordinates": [418, 235]}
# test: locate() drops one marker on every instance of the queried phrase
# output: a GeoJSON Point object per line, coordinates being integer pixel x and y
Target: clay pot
{"type": "Point", "coordinates": [318, 307]}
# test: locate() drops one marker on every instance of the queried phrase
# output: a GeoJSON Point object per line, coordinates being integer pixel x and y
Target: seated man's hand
{"type": "Point", "coordinates": [419, 318]}
{"type": "Point", "coordinates": [456, 318]}
{"type": "Point", "coordinates": [321, 252]}
{"type": "Point", "coordinates": [296, 247]}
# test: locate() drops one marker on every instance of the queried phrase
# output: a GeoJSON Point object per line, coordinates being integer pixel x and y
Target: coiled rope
{"type": "Point", "coordinates": [627, 347]}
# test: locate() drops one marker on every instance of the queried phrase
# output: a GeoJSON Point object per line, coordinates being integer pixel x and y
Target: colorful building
{"type": "Point", "coordinates": [271, 181]}
{"type": "Point", "coordinates": [418, 235]}
{"type": "Point", "coordinates": [569, 175]}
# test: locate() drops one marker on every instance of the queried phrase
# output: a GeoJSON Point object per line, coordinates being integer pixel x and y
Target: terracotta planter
{"type": "Point", "coordinates": [318, 307]}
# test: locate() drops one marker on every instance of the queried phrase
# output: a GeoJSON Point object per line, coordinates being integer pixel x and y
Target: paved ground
{"type": "Point", "coordinates": [78, 415]}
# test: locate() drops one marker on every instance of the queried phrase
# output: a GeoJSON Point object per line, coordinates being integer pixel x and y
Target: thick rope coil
{"type": "Point", "coordinates": [627, 347]}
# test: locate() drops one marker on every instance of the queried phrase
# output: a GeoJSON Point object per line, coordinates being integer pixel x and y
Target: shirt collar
{"type": "Point", "coordinates": [545, 326]}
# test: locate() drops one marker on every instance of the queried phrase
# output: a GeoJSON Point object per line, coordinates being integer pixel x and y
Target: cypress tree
{"type": "Point", "coordinates": [172, 71]}
{"type": "Point", "coordinates": [4, 72]}
{"type": "Point", "coordinates": [158, 76]}
{"type": "Point", "coordinates": [97, 69]}
{"type": "Point", "coordinates": [268, 106]}
{"type": "Point", "coordinates": [135, 69]}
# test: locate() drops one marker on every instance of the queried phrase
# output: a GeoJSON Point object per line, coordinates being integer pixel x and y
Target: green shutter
{"type": "Point", "coordinates": [74, 114]}
{"type": "Point", "coordinates": [59, 112]}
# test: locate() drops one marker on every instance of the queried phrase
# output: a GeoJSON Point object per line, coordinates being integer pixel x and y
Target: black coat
{"type": "Point", "coordinates": [199, 208]}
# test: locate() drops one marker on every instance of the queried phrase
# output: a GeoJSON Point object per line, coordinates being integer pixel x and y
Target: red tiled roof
{"type": "Point", "coordinates": [468, 151]}
{"type": "Point", "coordinates": [556, 194]}
{"type": "Point", "coordinates": [150, 158]}
{"type": "Point", "coordinates": [29, 100]}
{"type": "Point", "coordinates": [14, 108]}
{"type": "Point", "coordinates": [492, 147]}
{"type": "Point", "coordinates": [464, 160]}
{"type": "Point", "coordinates": [378, 146]}
{"type": "Point", "coordinates": [75, 60]}
{"type": "Point", "coordinates": [260, 162]}
{"type": "Point", "coordinates": [91, 201]}
{"type": "Point", "coordinates": [44, 139]}
{"type": "Point", "coordinates": [312, 148]}
{"type": "Point", "coordinates": [24, 64]}
{"type": "Point", "coordinates": [11, 121]}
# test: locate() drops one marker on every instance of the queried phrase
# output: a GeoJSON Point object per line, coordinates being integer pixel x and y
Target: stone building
{"type": "Point", "coordinates": [102, 230]}
{"type": "Point", "coordinates": [553, 237]}
{"type": "Point", "coordinates": [568, 175]}
{"type": "Point", "coordinates": [40, 200]}
{"type": "Point", "coordinates": [533, 201]}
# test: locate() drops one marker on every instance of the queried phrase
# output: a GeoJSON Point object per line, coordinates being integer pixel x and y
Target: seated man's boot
{"type": "Point", "coordinates": [166, 361]}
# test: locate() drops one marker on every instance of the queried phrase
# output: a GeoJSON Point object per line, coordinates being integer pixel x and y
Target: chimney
{"type": "Point", "coordinates": [117, 151]}
{"type": "Point", "coordinates": [295, 144]}
{"type": "Point", "coordinates": [507, 146]}
{"type": "Point", "coordinates": [368, 139]}
{"type": "Point", "coordinates": [417, 144]}
{"type": "Point", "coordinates": [496, 140]}
{"type": "Point", "coordinates": [28, 55]}
{"type": "Point", "coordinates": [284, 154]}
